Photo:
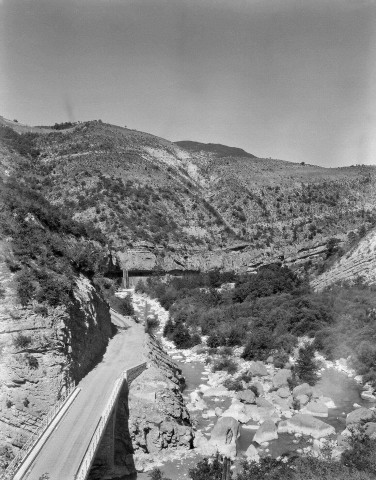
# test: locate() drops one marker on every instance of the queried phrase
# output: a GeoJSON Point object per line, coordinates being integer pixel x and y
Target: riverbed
{"type": "Point", "coordinates": [344, 392]}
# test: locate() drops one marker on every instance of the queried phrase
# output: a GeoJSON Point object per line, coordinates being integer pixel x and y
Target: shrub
{"type": "Point", "coordinates": [184, 339]}
{"type": "Point", "coordinates": [151, 324]}
{"type": "Point", "coordinates": [246, 377]}
{"type": "Point", "coordinates": [22, 341]}
{"type": "Point", "coordinates": [156, 474]}
{"type": "Point", "coordinates": [226, 364]}
{"type": "Point", "coordinates": [253, 388]}
{"type": "Point", "coordinates": [225, 351]}
{"type": "Point", "coordinates": [216, 339]}
{"type": "Point", "coordinates": [259, 345]}
{"type": "Point", "coordinates": [32, 361]}
{"type": "Point", "coordinates": [41, 310]}
{"type": "Point", "coordinates": [280, 358]}
{"type": "Point", "coordinates": [122, 305]}
{"type": "Point", "coordinates": [233, 384]}
{"type": "Point", "coordinates": [209, 469]}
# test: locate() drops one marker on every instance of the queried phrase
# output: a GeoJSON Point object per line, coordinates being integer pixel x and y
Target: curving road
{"type": "Point", "coordinates": [61, 455]}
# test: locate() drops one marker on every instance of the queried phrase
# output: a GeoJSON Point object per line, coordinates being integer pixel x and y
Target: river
{"type": "Point", "coordinates": [343, 390]}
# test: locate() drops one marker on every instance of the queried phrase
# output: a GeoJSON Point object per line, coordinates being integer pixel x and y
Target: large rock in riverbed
{"type": "Point", "coordinates": [259, 388]}
{"type": "Point", "coordinates": [281, 377]}
{"type": "Point", "coordinates": [316, 408]}
{"type": "Point", "coordinates": [356, 416]}
{"type": "Point", "coordinates": [257, 369]}
{"type": "Point", "coordinates": [283, 392]}
{"type": "Point", "coordinates": [306, 425]}
{"type": "Point", "coordinates": [267, 432]}
{"type": "Point", "coordinates": [303, 389]}
{"type": "Point", "coordinates": [224, 435]}
{"type": "Point", "coordinates": [246, 396]}
{"type": "Point", "coordinates": [238, 410]}
{"type": "Point", "coordinates": [252, 454]}
{"type": "Point", "coordinates": [370, 429]}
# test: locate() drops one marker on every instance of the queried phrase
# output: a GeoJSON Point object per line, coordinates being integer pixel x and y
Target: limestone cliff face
{"type": "Point", "coordinates": [358, 263]}
{"type": "Point", "coordinates": [159, 422]}
{"type": "Point", "coordinates": [43, 351]}
{"type": "Point", "coordinates": [242, 257]}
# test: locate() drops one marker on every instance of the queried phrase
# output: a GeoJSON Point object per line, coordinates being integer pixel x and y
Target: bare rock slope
{"type": "Point", "coordinates": [357, 264]}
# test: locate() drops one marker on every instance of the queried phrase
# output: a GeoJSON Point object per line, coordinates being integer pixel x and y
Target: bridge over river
{"type": "Point", "coordinates": [68, 450]}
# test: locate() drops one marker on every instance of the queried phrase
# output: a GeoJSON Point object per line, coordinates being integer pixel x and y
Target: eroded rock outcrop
{"type": "Point", "coordinates": [44, 351]}
{"type": "Point", "coordinates": [159, 422]}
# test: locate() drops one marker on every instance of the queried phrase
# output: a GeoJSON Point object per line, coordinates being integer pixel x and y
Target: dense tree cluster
{"type": "Point", "coordinates": [266, 312]}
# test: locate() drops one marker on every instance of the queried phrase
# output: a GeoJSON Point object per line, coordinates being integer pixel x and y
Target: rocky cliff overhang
{"type": "Point", "coordinates": [145, 258]}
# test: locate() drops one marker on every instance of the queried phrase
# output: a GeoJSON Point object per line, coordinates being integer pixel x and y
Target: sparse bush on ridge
{"type": "Point", "coordinates": [22, 341]}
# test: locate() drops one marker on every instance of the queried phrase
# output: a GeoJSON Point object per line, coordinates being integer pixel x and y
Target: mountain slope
{"type": "Point", "coordinates": [173, 204]}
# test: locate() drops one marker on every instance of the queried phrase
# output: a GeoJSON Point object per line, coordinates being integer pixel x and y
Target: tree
{"type": "Point", "coordinates": [208, 469]}
{"type": "Point", "coordinates": [156, 474]}
{"type": "Point", "coordinates": [306, 367]}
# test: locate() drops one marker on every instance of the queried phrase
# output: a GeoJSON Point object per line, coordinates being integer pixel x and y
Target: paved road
{"type": "Point", "coordinates": [61, 455]}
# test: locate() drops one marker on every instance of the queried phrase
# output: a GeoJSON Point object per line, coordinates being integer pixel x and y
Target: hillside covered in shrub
{"type": "Point", "coordinates": [267, 312]}
{"type": "Point", "coordinates": [187, 196]}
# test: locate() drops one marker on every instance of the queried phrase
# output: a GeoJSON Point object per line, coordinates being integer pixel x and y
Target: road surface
{"type": "Point", "coordinates": [61, 456]}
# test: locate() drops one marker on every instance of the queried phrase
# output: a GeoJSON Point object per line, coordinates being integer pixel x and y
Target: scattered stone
{"type": "Point", "coordinates": [259, 387]}
{"type": "Point", "coordinates": [368, 395]}
{"type": "Point", "coordinates": [197, 402]}
{"type": "Point", "coordinates": [238, 411]}
{"type": "Point", "coordinates": [257, 369]}
{"type": "Point", "coordinates": [266, 432]}
{"type": "Point", "coordinates": [283, 403]}
{"type": "Point", "coordinates": [283, 392]}
{"type": "Point", "coordinates": [316, 408]}
{"type": "Point", "coordinates": [303, 389]}
{"type": "Point", "coordinates": [281, 377]}
{"type": "Point", "coordinates": [252, 454]}
{"type": "Point", "coordinates": [302, 399]}
{"type": "Point", "coordinates": [370, 429]}
{"type": "Point", "coordinates": [356, 416]}
{"type": "Point", "coordinates": [307, 425]}
{"type": "Point", "coordinates": [224, 435]}
{"type": "Point", "coordinates": [246, 396]}
{"type": "Point", "coordinates": [262, 402]}
{"type": "Point", "coordinates": [217, 392]}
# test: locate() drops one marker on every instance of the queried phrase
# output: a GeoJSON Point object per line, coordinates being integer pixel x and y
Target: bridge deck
{"type": "Point", "coordinates": [61, 455]}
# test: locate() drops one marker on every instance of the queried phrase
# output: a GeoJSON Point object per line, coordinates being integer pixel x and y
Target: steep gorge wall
{"type": "Point", "coordinates": [42, 352]}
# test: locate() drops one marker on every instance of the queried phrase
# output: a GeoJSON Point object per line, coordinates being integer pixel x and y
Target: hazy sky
{"type": "Point", "coordinates": [289, 79]}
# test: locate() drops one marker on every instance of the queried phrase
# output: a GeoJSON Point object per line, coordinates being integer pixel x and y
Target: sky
{"type": "Point", "coordinates": [287, 79]}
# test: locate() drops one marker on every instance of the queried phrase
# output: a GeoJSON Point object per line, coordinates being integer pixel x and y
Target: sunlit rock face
{"type": "Point", "coordinates": [306, 425]}
{"type": "Point", "coordinates": [44, 351]}
{"type": "Point", "coordinates": [159, 422]}
{"type": "Point", "coordinates": [358, 263]}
